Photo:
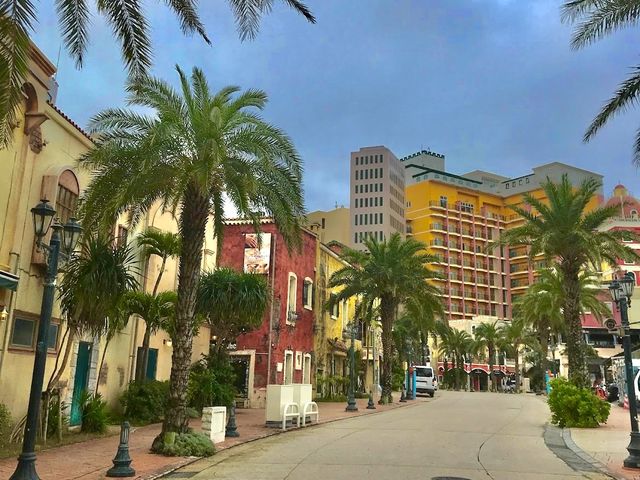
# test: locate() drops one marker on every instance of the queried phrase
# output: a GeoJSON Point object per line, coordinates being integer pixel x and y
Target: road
{"type": "Point", "coordinates": [455, 435]}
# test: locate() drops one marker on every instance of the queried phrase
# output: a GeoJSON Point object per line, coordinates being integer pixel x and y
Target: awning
{"type": "Point", "coordinates": [8, 280]}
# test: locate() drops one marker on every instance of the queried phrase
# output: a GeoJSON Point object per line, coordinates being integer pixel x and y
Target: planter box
{"type": "Point", "coordinates": [214, 423]}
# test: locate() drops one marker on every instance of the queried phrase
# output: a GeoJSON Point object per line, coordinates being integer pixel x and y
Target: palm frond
{"type": "Point", "coordinates": [16, 21]}
{"type": "Point", "coordinates": [187, 12]}
{"type": "Point", "coordinates": [74, 19]}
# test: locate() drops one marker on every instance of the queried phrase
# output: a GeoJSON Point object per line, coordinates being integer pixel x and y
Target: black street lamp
{"type": "Point", "coordinates": [63, 241]}
{"type": "Point", "coordinates": [351, 400]}
{"type": "Point", "coordinates": [621, 291]}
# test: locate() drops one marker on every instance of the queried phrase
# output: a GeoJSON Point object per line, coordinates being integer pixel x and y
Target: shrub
{"type": "Point", "coordinates": [572, 406]}
{"type": "Point", "coordinates": [5, 424]}
{"type": "Point", "coordinates": [211, 382]}
{"type": "Point", "coordinates": [54, 412]}
{"type": "Point", "coordinates": [145, 402]}
{"type": "Point", "coordinates": [95, 416]}
{"type": "Point", "coordinates": [185, 445]}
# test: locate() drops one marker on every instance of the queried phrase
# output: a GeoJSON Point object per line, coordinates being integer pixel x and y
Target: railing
{"type": "Point", "coordinates": [519, 283]}
{"type": "Point", "coordinates": [455, 245]}
{"type": "Point", "coordinates": [436, 226]}
{"type": "Point", "coordinates": [437, 242]}
{"type": "Point", "coordinates": [455, 308]}
{"type": "Point", "coordinates": [482, 280]}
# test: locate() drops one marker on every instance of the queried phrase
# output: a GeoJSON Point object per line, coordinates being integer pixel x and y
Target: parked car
{"type": "Point", "coordinates": [426, 381]}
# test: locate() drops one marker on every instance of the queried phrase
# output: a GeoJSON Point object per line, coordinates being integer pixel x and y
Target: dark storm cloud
{"type": "Point", "coordinates": [491, 84]}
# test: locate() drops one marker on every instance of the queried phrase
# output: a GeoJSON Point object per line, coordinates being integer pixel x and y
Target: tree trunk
{"type": "Point", "coordinates": [543, 338]}
{"type": "Point", "coordinates": [387, 311]}
{"type": "Point", "coordinates": [55, 375]}
{"type": "Point", "coordinates": [422, 347]}
{"type": "Point", "coordinates": [104, 353]}
{"type": "Point", "coordinates": [192, 224]}
{"type": "Point", "coordinates": [143, 361]}
{"type": "Point", "coordinates": [571, 311]}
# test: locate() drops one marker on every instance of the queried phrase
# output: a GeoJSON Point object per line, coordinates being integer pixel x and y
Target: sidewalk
{"type": "Point", "coordinates": [607, 444]}
{"type": "Point", "coordinates": [90, 460]}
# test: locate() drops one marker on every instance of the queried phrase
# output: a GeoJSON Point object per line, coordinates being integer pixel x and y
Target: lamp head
{"type": "Point", "coordinates": [71, 232]}
{"type": "Point", "coordinates": [43, 214]}
{"type": "Point", "coordinates": [615, 290]}
{"type": "Point", "coordinates": [628, 282]}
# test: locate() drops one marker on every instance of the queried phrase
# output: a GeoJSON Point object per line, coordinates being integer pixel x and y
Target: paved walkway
{"type": "Point", "coordinates": [607, 444]}
{"type": "Point", "coordinates": [474, 436]}
{"type": "Point", "coordinates": [90, 460]}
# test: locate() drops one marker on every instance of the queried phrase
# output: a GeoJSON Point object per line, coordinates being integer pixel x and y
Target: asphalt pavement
{"type": "Point", "coordinates": [456, 435]}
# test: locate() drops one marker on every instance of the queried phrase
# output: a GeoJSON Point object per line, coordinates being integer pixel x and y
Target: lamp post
{"type": "Point", "coordinates": [62, 243]}
{"type": "Point", "coordinates": [621, 291]}
{"type": "Point", "coordinates": [351, 401]}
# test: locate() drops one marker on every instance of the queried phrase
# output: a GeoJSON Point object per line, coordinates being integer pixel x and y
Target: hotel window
{"type": "Point", "coordinates": [291, 297]}
{"type": "Point", "coordinates": [443, 201]}
{"type": "Point", "coordinates": [307, 294]}
{"type": "Point", "coordinates": [356, 219]}
{"type": "Point", "coordinates": [381, 218]}
{"type": "Point", "coordinates": [371, 218]}
{"type": "Point", "coordinates": [355, 237]}
{"type": "Point", "coordinates": [381, 201]}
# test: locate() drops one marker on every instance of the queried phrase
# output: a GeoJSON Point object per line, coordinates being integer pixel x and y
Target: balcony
{"type": "Point", "coordinates": [454, 277]}
{"type": "Point", "coordinates": [455, 308]}
{"type": "Point", "coordinates": [516, 253]}
{"type": "Point", "coordinates": [519, 283]}
{"type": "Point", "coordinates": [455, 260]}
{"type": "Point", "coordinates": [469, 279]}
{"type": "Point", "coordinates": [454, 245]}
{"type": "Point", "coordinates": [482, 280]}
{"type": "Point", "coordinates": [437, 226]}
{"type": "Point", "coordinates": [438, 204]}
{"type": "Point", "coordinates": [437, 242]}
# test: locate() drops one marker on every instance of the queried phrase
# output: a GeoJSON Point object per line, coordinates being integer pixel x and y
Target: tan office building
{"type": "Point", "coordinates": [331, 226]}
{"type": "Point", "coordinates": [377, 195]}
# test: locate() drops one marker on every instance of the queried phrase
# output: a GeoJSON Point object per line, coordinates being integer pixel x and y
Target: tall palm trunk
{"type": "Point", "coordinates": [387, 312]}
{"type": "Point", "coordinates": [543, 338]}
{"type": "Point", "coordinates": [571, 312]}
{"type": "Point", "coordinates": [193, 221]}
{"type": "Point", "coordinates": [143, 363]}
{"type": "Point", "coordinates": [422, 348]}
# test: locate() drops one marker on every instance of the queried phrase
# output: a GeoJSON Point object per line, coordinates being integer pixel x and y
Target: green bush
{"type": "Point", "coordinates": [211, 382]}
{"type": "Point", "coordinates": [5, 424]}
{"type": "Point", "coordinates": [185, 445]}
{"type": "Point", "coordinates": [95, 415]}
{"type": "Point", "coordinates": [54, 412]}
{"type": "Point", "coordinates": [145, 402]}
{"type": "Point", "coordinates": [335, 398]}
{"type": "Point", "coordinates": [576, 407]}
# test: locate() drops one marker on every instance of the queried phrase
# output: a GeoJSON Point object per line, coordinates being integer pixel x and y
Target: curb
{"type": "Point", "coordinates": [559, 441]}
{"type": "Point", "coordinates": [571, 445]}
{"type": "Point", "coordinates": [275, 432]}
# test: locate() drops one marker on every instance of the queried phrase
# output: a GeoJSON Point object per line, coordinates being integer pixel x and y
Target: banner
{"type": "Point", "coordinates": [257, 254]}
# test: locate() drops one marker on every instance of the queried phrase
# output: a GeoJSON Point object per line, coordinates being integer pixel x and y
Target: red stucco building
{"type": "Point", "coordinates": [280, 350]}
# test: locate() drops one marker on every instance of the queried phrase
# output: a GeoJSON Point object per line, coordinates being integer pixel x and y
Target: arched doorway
{"type": "Point", "coordinates": [479, 380]}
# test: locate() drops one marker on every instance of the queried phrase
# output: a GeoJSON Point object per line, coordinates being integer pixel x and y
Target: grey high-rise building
{"type": "Point", "coordinates": [377, 195]}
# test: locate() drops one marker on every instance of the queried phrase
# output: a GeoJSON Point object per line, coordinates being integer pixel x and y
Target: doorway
{"type": "Point", "coordinates": [80, 381]}
{"type": "Point", "coordinates": [240, 364]}
{"type": "Point", "coordinates": [306, 368]}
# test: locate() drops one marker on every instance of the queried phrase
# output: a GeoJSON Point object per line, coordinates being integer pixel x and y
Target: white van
{"type": "Point", "coordinates": [426, 381]}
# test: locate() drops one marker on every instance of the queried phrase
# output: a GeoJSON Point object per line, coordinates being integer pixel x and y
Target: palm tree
{"type": "Point", "coordinates": [423, 313]}
{"type": "Point", "coordinates": [199, 149]}
{"type": "Point", "coordinates": [564, 231]}
{"type": "Point", "coordinates": [232, 302]}
{"type": "Point", "coordinates": [597, 19]}
{"type": "Point", "coordinates": [92, 288]}
{"type": "Point", "coordinates": [488, 335]}
{"type": "Point", "coordinates": [391, 271]}
{"type": "Point", "coordinates": [164, 245]}
{"type": "Point", "coordinates": [155, 310]}
{"type": "Point", "coordinates": [457, 345]}
{"type": "Point", "coordinates": [516, 334]}
{"type": "Point", "coordinates": [129, 24]}
{"type": "Point", "coordinates": [541, 306]}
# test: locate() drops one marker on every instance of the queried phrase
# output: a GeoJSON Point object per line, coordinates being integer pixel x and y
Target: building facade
{"type": "Point", "coordinates": [377, 191]}
{"type": "Point", "coordinates": [280, 350]}
{"type": "Point", "coordinates": [42, 163]}
{"type": "Point", "coordinates": [331, 225]}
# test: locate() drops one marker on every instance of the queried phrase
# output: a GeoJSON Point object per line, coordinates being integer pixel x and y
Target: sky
{"type": "Point", "coordinates": [491, 84]}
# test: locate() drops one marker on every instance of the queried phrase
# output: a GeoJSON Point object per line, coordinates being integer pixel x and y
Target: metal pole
{"type": "Point", "coordinates": [26, 469]}
{"type": "Point", "coordinates": [351, 401]}
{"type": "Point", "coordinates": [633, 460]}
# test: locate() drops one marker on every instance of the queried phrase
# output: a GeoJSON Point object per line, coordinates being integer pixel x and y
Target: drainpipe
{"type": "Point", "coordinates": [273, 294]}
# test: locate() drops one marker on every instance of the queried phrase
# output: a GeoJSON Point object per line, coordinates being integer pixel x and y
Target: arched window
{"type": "Point", "coordinates": [634, 214]}
{"type": "Point", "coordinates": [67, 197]}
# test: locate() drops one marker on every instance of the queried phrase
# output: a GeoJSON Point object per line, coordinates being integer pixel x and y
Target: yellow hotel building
{"type": "Point", "coordinates": [458, 216]}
